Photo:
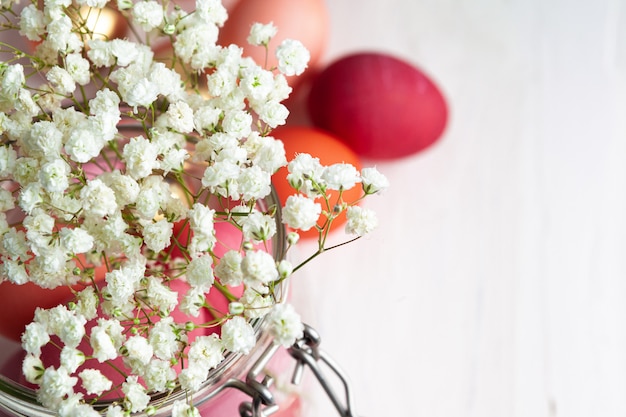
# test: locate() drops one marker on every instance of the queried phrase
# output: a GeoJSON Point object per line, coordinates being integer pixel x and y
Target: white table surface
{"type": "Point", "coordinates": [496, 283]}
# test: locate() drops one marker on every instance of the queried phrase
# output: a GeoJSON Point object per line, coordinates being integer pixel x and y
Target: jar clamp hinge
{"type": "Point", "coordinates": [306, 353]}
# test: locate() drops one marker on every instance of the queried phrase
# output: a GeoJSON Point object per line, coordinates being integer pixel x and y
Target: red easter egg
{"type": "Point", "coordinates": [330, 150]}
{"type": "Point", "coordinates": [381, 106]}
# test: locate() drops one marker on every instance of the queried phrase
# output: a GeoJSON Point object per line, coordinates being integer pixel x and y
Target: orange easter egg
{"type": "Point", "coordinates": [305, 20]}
{"type": "Point", "coordinates": [330, 150]}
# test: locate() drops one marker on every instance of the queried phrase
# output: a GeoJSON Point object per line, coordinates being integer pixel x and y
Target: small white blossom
{"type": "Point", "coordinates": [200, 272]}
{"type": "Point", "coordinates": [160, 296]}
{"type": "Point", "coordinates": [228, 270]}
{"type": "Point", "coordinates": [94, 382]}
{"type": "Point", "coordinates": [261, 34]}
{"type": "Point", "coordinates": [32, 368]}
{"type": "Point", "coordinates": [181, 408]}
{"type": "Point", "coordinates": [293, 57]}
{"type": "Point", "coordinates": [106, 338]}
{"type": "Point", "coordinates": [180, 117]}
{"type": "Point", "coordinates": [138, 352]}
{"type": "Point", "coordinates": [305, 174]}
{"type": "Point", "coordinates": [55, 385]}
{"type": "Point", "coordinates": [157, 374]}
{"type": "Point", "coordinates": [71, 358]}
{"type": "Point", "coordinates": [157, 234]}
{"type": "Point", "coordinates": [78, 68]}
{"type": "Point", "coordinates": [301, 212]}
{"type": "Point", "coordinates": [258, 227]}
{"type": "Point", "coordinates": [76, 240]}
{"type": "Point", "coordinates": [32, 23]}
{"type": "Point", "coordinates": [61, 80]}
{"type": "Point", "coordinates": [238, 335]}
{"type": "Point", "coordinates": [135, 394]}
{"type": "Point", "coordinates": [163, 339]}
{"type": "Point", "coordinates": [258, 268]}
{"type": "Point", "coordinates": [191, 378]}
{"type": "Point", "coordinates": [54, 176]}
{"type": "Point", "coordinates": [360, 220]}
{"type": "Point", "coordinates": [192, 301]}
{"type": "Point", "coordinates": [341, 176]}
{"type": "Point", "coordinates": [206, 352]}
{"type": "Point", "coordinates": [97, 199]}
{"type": "Point", "coordinates": [148, 14]}
{"type": "Point", "coordinates": [285, 325]}
{"type": "Point", "coordinates": [373, 181]}
{"type": "Point", "coordinates": [34, 337]}
{"type": "Point", "coordinates": [140, 156]}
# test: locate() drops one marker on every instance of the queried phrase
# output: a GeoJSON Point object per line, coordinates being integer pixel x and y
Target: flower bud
{"type": "Point", "coordinates": [293, 238]}
{"type": "Point", "coordinates": [236, 308]}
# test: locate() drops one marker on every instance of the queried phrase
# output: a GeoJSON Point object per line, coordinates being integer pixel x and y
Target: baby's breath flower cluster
{"type": "Point", "coordinates": [119, 168]}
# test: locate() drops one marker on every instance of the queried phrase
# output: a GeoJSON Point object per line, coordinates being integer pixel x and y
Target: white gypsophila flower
{"type": "Point", "coordinates": [201, 220]}
{"type": "Point", "coordinates": [221, 82]}
{"type": "Point", "coordinates": [293, 57]}
{"type": "Point", "coordinates": [206, 118]}
{"type": "Point", "coordinates": [32, 23]}
{"type": "Point", "coordinates": [157, 235]}
{"type": "Point", "coordinates": [142, 94]}
{"type": "Point", "coordinates": [211, 11]}
{"type": "Point", "coordinates": [180, 117]}
{"type": "Point", "coordinates": [256, 305]}
{"type": "Point", "coordinates": [228, 270]}
{"type": "Point", "coordinates": [12, 81]}
{"type": "Point", "coordinates": [285, 325]}
{"type": "Point", "coordinates": [168, 81]}
{"type": "Point", "coordinates": [43, 141]}
{"type": "Point", "coordinates": [191, 378]}
{"type": "Point", "coordinates": [120, 285]}
{"type": "Point", "coordinates": [71, 358]}
{"type": "Point", "coordinates": [373, 181]}
{"type": "Point", "coordinates": [258, 227]}
{"type": "Point", "coordinates": [126, 188]}
{"type": "Point", "coordinates": [199, 272]}
{"type": "Point", "coordinates": [238, 335]}
{"type": "Point", "coordinates": [14, 245]}
{"type": "Point", "coordinates": [84, 141]}
{"type": "Point", "coordinates": [87, 303]}
{"type": "Point", "coordinates": [61, 80]}
{"type": "Point", "coordinates": [32, 368]}
{"type": "Point", "coordinates": [360, 220]}
{"type": "Point", "coordinates": [261, 34]}
{"type": "Point", "coordinates": [340, 176]}
{"type": "Point", "coordinates": [137, 352]}
{"type": "Point", "coordinates": [148, 14]}
{"type": "Point", "coordinates": [181, 408]}
{"type": "Point", "coordinates": [135, 394]}
{"type": "Point", "coordinates": [76, 240]}
{"type": "Point", "coordinates": [158, 374]}
{"type": "Point", "coordinates": [106, 338]}
{"type": "Point", "coordinates": [72, 331]}
{"type": "Point", "coordinates": [100, 53]}
{"type": "Point", "coordinates": [7, 202]}
{"type": "Point", "coordinates": [206, 352]}
{"type": "Point", "coordinates": [305, 174]}
{"type": "Point", "coordinates": [192, 301]}
{"type": "Point", "coordinates": [14, 271]}
{"type": "Point", "coordinates": [237, 123]}
{"type": "Point", "coordinates": [35, 336]}
{"type": "Point", "coordinates": [115, 410]}
{"type": "Point", "coordinates": [140, 156]}
{"type": "Point", "coordinates": [193, 39]}
{"type": "Point", "coordinates": [160, 296]}
{"type": "Point", "coordinates": [254, 183]}
{"type": "Point", "coordinates": [97, 199]}
{"type": "Point", "coordinates": [105, 102]}
{"type": "Point", "coordinates": [55, 385]}
{"type": "Point", "coordinates": [221, 178]}
{"type": "Point", "coordinates": [273, 113]}
{"type": "Point", "coordinates": [8, 158]}
{"type": "Point", "coordinates": [73, 406]}
{"type": "Point", "coordinates": [266, 152]}
{"type": "Point", "coordinates": [78, 68]}
{"type": "Point", "coordinates": [125, 52]}
{"type": "Point", "coordinates": [94, 382]}
{"type": "Point", "coordinates": [54, 176]}
{"type": "Point", "coordinates": [301, 212]}
{"type": "Point", "coordinates": [163, 339]}
{"type": "Point", "coordinates": [256, 83]}
{"type": "Point", "coordinates": [258, 268]}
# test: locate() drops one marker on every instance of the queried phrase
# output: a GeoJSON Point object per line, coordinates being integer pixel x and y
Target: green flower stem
{"type": "Point", "coordinates": [225, 291]}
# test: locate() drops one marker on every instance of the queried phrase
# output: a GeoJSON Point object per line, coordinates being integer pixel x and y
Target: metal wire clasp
{"type": "Point", "coordinates": [306, 353]}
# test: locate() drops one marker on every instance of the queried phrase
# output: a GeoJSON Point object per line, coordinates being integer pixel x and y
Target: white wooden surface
{"type": "Point", "coordinates": [496, 283]}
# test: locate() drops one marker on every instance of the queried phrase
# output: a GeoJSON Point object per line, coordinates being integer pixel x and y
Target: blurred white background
{"type": "Point", "coordinates": [496, 282]}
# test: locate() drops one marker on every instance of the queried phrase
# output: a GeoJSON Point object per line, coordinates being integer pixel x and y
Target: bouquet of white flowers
{"type": "Point", "coordinates": [142, 181]}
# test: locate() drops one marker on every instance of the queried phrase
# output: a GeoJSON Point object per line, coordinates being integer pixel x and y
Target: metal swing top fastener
{"type": "Point", "coordinates": [306, 353]}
